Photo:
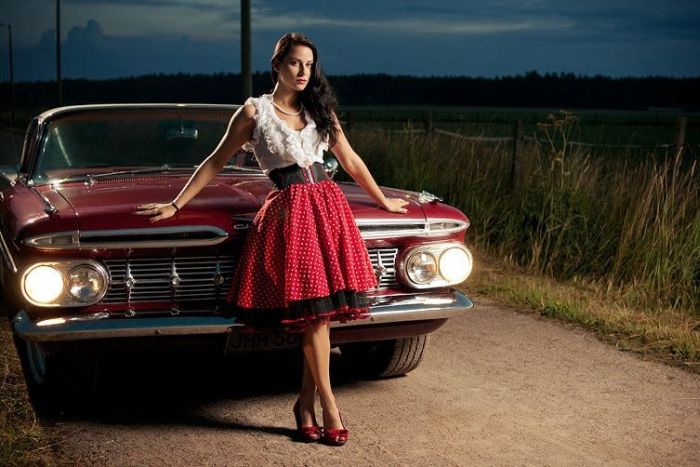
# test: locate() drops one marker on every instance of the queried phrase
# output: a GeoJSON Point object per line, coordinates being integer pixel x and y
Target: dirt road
{"type": "Point", "coordinates": [496, 388]}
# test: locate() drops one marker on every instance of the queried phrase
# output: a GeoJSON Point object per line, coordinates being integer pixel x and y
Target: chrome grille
{"type": "Point", "coordinates": [384, 259]}
{"type": "Point", "coordinates": [202, 278]}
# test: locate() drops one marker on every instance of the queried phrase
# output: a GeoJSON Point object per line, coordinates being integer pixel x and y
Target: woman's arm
{"type": "Point", "coordinates": [356, 168]}
{"type": "Point", "coordinates": [240, 129]}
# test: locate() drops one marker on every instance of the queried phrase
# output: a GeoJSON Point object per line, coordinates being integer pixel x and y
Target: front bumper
{"type": "Point", "coordinates": [392, 309]}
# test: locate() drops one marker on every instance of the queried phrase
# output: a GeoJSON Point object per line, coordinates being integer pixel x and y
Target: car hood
{"type": "Point", "coordinates": [110, 204]}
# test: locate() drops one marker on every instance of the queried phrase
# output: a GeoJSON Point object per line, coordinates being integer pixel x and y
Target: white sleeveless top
{"type": "Point", "coordinates": [277, 145]}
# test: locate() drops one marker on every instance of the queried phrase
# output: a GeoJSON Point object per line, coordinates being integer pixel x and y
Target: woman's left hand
{"type": "Point", "coordinates": [395, 205]}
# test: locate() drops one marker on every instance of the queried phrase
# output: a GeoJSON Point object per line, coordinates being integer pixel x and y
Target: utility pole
{"type": "Point", "coordinates": [58, 52]}
{"type": "Point", "coordinates": [246, 73]}
{"type": "Point", "coordinates": [12, 76]}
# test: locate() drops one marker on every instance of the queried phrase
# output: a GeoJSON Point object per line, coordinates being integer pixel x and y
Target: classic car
{"type": "Point", "coordinates": [80, 271]}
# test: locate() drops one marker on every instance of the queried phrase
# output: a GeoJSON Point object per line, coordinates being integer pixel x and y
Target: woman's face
{"type": "Point", "coordinates": [294, 72]}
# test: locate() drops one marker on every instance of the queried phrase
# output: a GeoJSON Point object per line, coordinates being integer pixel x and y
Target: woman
{"type": "Point", "coordinates": [303, 262]}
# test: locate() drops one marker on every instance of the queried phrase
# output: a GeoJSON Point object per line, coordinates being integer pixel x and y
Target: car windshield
{"type": "Point", "coordinates": [104, 141]}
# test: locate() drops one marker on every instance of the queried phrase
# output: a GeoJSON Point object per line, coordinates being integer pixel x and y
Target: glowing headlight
{"type": "Point", "coordinates": [43, 284]}
{"type": "Point", "coordinates": [435, 264]}
{"type": "Point", "coordinates": [421, 267]}
{"type": "Point", "coordinates": [65, 283]}
{"type": "Point", "coordinates": [455, 265]}
{"type": "Point", "coordinates": [85, 283]}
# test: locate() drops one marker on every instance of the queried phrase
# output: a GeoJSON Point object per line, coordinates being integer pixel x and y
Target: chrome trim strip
{"type": "Point", "coordinates": [6, 254]}
{"type": "Point", "coordinates": [220, 236]}
{"type": "Point", "coordinates": [415, 308]}
{"type": "Point", "coordinates": [388, 221]}
{"type": "Point", "coordinates": [394, 309]}
{"type": "Point", "coordinates": [55, 112]}
{"type": "Point", "coordinates": [390, 233]}
{"type": "Point", "coordinates": [425, 232]}
{"type": "Point", "coordinates": [50, 208]}
{"type": "Point", "coordinates": [462, 225]}
{"type": "Point", "coordinates": [85, 180]}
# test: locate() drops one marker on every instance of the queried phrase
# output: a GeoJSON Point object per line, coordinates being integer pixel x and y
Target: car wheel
{"type": "Point", "coordinates": [51, 377]}
{"type": "Point", "coordinates": [385, 359]}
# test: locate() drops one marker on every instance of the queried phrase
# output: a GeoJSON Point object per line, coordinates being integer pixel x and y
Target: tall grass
{"type": "Point", "coordinates": [627, 223]}
{"type": "Point", "coordinates": [22, 440]}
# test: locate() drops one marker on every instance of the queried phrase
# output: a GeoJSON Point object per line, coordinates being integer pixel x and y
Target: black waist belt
{"type": "Point", "coordinates": [285, 176]}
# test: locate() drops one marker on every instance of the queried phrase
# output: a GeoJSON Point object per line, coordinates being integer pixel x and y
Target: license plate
{"type": "Point", "coordinates": [241, 342]}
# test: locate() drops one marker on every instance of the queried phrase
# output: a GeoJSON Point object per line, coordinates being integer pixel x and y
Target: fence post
{"type": "Point", "coordinates": [681, 126]}
{"type": "Point", "coordinates": [516, 163]}
{"type": "Point", "coordinates": [428, 123]}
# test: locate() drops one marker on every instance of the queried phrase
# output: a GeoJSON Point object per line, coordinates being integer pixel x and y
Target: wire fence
{"type": "Point", "coordinates": [516, 142]}
{"type": "Point", "coordinates": [679, 139]}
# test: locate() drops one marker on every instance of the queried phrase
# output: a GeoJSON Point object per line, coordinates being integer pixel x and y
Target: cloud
{"type": "Point", "coordinates": [412, 26]}
{"type": "Point", "coordinates": [109, 38]}
{"type": "Point", "coordinates": [88, 52]}
{"type": "Point", "coordinates": [566, 19]}
{"type": "Point", "coordinates": [193, 5]}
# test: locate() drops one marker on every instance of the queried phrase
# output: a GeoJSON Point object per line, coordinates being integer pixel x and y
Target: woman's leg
{"type": "Point", "coordinates": [307, 395]}
{"type": "Point", "coordinates": [317, 350]}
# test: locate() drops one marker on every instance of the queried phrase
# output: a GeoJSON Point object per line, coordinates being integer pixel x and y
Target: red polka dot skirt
{"type": "Point", "coordinates": [302, 262]}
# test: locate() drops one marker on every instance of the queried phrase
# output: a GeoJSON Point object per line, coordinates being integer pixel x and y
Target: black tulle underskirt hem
{"type": "Point", "coordinates": [300, 315]}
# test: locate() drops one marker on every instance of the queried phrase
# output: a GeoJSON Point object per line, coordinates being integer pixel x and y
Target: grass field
{"type": "Point", "coordinates": [23, 440]}
{"type": "Point", "coordinates": [605, 127]}
{"type": "Point", "coordinates": [627, 227]}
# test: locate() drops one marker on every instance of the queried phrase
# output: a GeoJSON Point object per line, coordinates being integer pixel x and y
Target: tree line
{"type": "Point", "coordinates": [532, 89]}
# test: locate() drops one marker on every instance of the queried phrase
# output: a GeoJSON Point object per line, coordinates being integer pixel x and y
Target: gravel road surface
{"type": "Point", "coordinates": [497, 387]}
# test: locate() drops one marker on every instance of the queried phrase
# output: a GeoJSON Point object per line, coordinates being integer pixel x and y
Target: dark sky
{"type": "Point", "coordinates": [112, 38]}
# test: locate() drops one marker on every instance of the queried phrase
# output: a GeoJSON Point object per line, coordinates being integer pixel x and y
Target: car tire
{"type": "Point", "coordinates": [52, 377]}
{"type": "Point", "coordinates": [385, 359]}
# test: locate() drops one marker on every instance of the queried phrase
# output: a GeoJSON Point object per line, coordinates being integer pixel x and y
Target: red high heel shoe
{"type": "Point", "coordinates": [336, 436]}
{"type": "Point", "coordinates": [305, 433]}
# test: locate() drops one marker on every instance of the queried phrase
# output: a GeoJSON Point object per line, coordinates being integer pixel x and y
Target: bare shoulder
{"type": "Point", "coordinates": [244, 116]}
{"type": "Point", "coordinates": [245, 113]}
{"type": "Point", "coordinates": [248, 111]}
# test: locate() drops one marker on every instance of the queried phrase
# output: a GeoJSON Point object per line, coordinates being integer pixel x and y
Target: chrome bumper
{"type": "Point", "coordinates": [99, 325]}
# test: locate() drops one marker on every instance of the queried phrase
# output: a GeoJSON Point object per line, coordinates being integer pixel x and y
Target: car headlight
{"type": "Point", "coordinates": [421, 270]}
{"type": "Point", "coordinates": [65, 283]}
{"type": "Point", "coordinates": [455, 264]}
{"type": "Point", "coordinates": [43, 284]}
{"type": "Point", "coordinates": [421, 267]}
{"type": "Point", "coordinates": [85, 283]}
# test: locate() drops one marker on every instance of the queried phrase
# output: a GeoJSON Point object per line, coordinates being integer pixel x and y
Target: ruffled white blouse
{"type": "Point", "coordinates": [277, 145]}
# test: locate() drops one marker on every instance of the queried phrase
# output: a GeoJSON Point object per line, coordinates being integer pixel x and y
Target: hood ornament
{"type": "Point", "coordinates": [426, 197]}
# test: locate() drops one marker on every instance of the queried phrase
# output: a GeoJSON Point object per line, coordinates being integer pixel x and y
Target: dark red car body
{"type": "Point", "coordinates": [90, 217]}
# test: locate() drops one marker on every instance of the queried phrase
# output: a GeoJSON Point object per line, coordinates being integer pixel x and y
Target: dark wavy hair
{"type": "Point", "coordinates": [318, 97]}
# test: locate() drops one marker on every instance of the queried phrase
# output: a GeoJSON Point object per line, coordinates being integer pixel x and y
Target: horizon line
{"type": "Point", "coordinates": [527, 74]}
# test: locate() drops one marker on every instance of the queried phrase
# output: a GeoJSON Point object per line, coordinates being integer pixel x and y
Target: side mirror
{"type": "Point", "coordinates": [8, 175]}
{"type": "Point", "coordinates": [331, 164]}
{"type": "Point", "coordinates": [182, 134]}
